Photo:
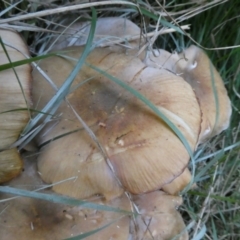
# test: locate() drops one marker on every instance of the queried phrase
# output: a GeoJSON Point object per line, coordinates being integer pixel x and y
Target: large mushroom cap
{"type": "Point", "coordinates": [144, 153]}
{"type": "Point", "coordinates": [25, 218]}
{"type": "Point", "coordinates": [14, 86]}
{"type": "Point", "coordinates": [196, 68]}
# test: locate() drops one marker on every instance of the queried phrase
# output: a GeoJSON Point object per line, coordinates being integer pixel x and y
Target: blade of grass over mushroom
{"type": "Point", "coordinates": [58, 137]}
{"type": "Point", "coordinates": [60, 199]}
{"type": "Point", "coordinates": [38, 189]}
{"type": "Point", "coordinates": [25, 109]}
{"type": "Point", "coordinates": [25, 140]}
{"type": "Point", "coordinates": [15, 73]}
{"type": "Point", "coordinates": [25, 61]}
{"type": "Point", "coordinates": [64, 89]}
{"type": "Point", "coordinates": [149, 104]}
{"type": "Point", "coordinates": [87, 234]}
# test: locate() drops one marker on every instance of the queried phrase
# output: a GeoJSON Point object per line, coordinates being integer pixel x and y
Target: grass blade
{"type": "Point", "coordinates": [60, 199]}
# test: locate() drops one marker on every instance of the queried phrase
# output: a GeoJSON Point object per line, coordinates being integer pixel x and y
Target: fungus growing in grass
{"type": "Point", "coordinates": [144, 153]}
{"type": "Point", "coordinates": [38, 219]}
{"type": "Point", "coordinates": [130, 149]}
{"type": "Point", "coordinates": [15, 84]}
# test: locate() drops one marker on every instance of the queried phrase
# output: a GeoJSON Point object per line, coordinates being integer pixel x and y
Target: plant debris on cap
{"type": "Point", "coordinates": [14, 98]}
{"type": "Point", "coordinates": [144, 152]}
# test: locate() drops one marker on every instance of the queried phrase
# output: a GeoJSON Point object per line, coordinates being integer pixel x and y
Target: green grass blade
{"type": "Point", "coordinates": [208, 166]}
{"type": "Point", "coordinates": [25, 61]}
{"type": "Point", "coordinates": [214, 230]}
{"type": "Point", "coordinates": [24, 109]}
{"type": "Point", "coordinates": [201, 233]}
{"type": "Point", "coordinates": [228, 148]}
{"type": "Point", "coordinates": [216, 197]}
{"type": "Point", "coordinates": [60, 199]}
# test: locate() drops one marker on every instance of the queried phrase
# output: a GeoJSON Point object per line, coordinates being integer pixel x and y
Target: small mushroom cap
{"type": "Point", "coordinates": [25, 218]}
{"type": "Point", "coordinates": [196, 68]}
{"type": "Point", "coordinates": [12, 121]}
{"type": "Point", "coordinates": [158, 217]}
{"type": "Point", "coordinates": [144, 153]}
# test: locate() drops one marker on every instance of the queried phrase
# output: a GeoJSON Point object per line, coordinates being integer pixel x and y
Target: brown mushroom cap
{"type": "Point", "coordinates": [158, 217]}
{"type": "Point", "coordinates": [11, 99]}
{"type": "Point", "coordinates": [26, 218]}
{"type": "Point", "coordinates": [144, 152]}
{"type": "Point", "coordinates": [196, 68]}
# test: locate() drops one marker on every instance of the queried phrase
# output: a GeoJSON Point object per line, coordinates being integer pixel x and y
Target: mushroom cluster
{"type": "Point", "coordinates": [129, 157]}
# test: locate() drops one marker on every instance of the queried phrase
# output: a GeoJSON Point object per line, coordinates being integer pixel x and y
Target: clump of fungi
{"type": "Point", "coordinates": [136, 161]}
